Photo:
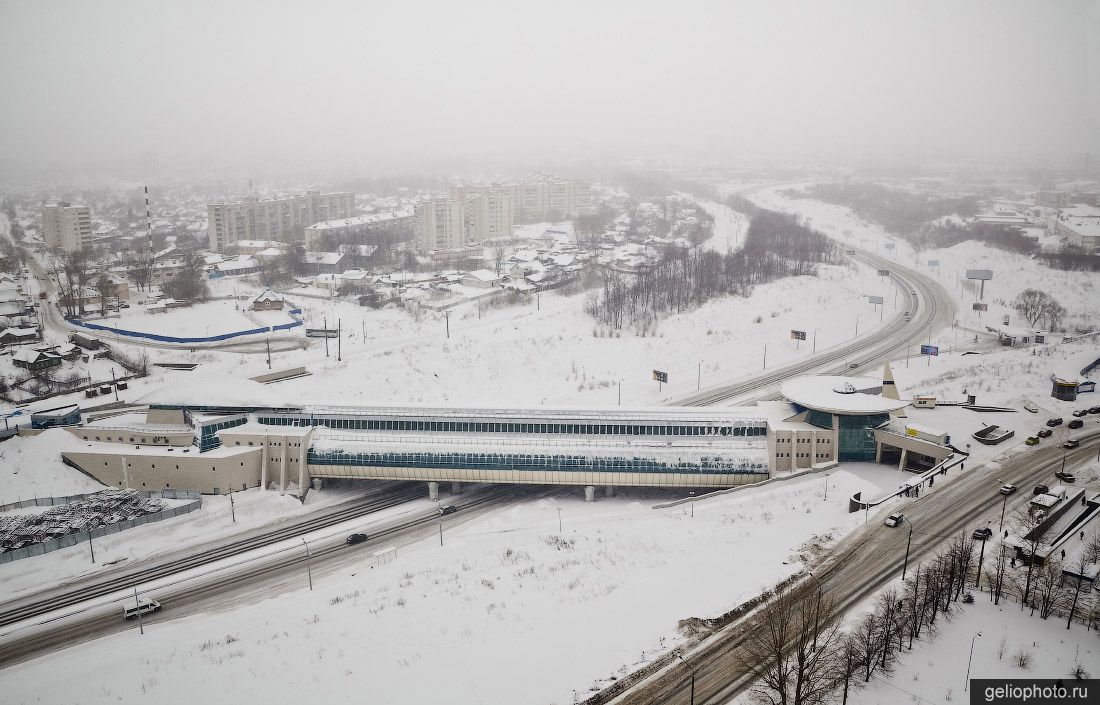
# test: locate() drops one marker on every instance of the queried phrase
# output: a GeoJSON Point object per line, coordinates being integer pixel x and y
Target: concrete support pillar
{"type": "Point", "coordinates": [878, 452]}
{"type": "Point", "coordinates": [609, 490]}
{"type": "Point", "coordinates": [303, 476]}
{"type": "Point", "coordinates": [590, 493]}
{"type": "Point", "coordinates": [263, 464]}
{"type": "Point", "coordinates": [456, 488]}
{"type": "Point", "coordinates": [904, 457]}
{"type": "Point", "coordinates": [282, 467]}
{"type": "Point", "coordinates": [433, 491]}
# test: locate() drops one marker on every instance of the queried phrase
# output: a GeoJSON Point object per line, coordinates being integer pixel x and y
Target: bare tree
{"type": "Point", "coordinates": [1034, 305]}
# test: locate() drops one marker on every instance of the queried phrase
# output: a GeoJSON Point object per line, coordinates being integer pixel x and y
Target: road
{"type": "Point", "coordinates": [932, 309]}
{"type": "Point", "coordinates": [73, 592]}
{"type": "Point", "coordinates": [237, 580]}
{"type": "Point", "coordinates": [864, 562]}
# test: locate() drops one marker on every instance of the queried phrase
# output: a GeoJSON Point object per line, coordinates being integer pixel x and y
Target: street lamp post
{"type": "Point", "coordinates": [857, 324]}
{"type": "Point", "coordinates": [690, 668]}
{"type": "Point", "coordinates": [1003, 506]}
{"type": "Point", "coordinates": [966, 686]}
{"type": "Point", "coordinates": [692, 495]}
{"type": "Point", "coordinates": [309, 568]}
{"type": "Point", "coordinates": [559, 520]}
{"type": "Point", "coordinates": [908, 543]}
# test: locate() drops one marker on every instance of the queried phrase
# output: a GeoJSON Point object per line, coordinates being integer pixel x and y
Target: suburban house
{"type": "Point", "coordinates": [482, 278]}
{"type": "Point", "coordinates": [268, 300]}
{"type": "Point", "coordinates": [33, 359]}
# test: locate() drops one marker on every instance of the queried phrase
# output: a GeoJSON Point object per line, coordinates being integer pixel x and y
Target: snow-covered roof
{"type": "Point", "coordinates": [484, 275]}
{"type": "Point", "coordinates": [265, 296]}
{"type": "Point", "coordinates": [838, 394]}
{"type": "Point", "coordinates": [19, 332]}
{"type": "Point", "coordinates": [369, 219]}
{"type": "Point", "coordinates": [242, 262]}
{"type": "Point", "coordinates": [323, 257]}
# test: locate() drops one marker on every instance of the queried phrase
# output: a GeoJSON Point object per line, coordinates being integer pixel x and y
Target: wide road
{"type": "Point", "coordinates": [866, 561]}
{"type": "Point", "coordinates": [72, 592]}
{"type": "Point", "coordinates": [238, 580]}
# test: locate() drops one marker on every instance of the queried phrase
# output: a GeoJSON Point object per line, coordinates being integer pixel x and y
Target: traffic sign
{"type": "Point", "coordinates": [798, 334]}
{"type": "Point", "coordinates": [660, 376]}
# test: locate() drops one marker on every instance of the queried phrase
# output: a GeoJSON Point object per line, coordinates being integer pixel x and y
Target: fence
{"type": "Point", "coordinates": [50, 545]}
{"type": "Point", "coordinates": [156, 337]}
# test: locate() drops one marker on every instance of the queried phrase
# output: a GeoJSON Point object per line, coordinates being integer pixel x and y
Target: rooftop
{"type": "Point", "coordinates": [839, 394]}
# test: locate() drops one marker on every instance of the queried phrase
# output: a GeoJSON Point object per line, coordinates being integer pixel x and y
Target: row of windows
{"type": "Point", "coordinates": [803, 440]}
{"type": "Point", "coordinates": [513, 427]}
{"type": "Point", "coordinates": [524, 461]}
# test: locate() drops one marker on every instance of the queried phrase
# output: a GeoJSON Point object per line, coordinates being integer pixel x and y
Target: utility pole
{"type": "Point", "coordinates": [559, 520]}
{"type": "Point", "coordinates": [269, 353]}
{"type": "Point", "coordinates": [765, 356]}
{"type": "Point", "coordinates": [114, 383]}
{"type": "Point", "coordinates": [908, 543]}
{"type": "Point", "coordinates": [814, 351]}
{"type": "Point", "coordinates": [232, 510]}
{"type": "Point", "coordinates": [447, 318]}
{"type": "Point", "coordinates": [620, 402]}
{"type": "Point", "coordinates": [325, 320]}
{"type": "Point", "coordinates": [339, 337]}
{"type": "Point", "coordinates": [699, 378]}
{"type": "Point", "coordinates": [90, 546]}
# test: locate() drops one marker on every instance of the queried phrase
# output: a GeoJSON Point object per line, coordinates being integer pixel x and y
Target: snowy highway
{"type": "Point", "coordinates": [860, 565]}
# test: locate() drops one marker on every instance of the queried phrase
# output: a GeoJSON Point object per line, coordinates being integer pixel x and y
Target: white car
{"type": "Point", "coordinates": [894, 520]}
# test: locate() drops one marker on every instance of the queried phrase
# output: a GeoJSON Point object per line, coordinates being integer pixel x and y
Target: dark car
{"type": "Point", "coordinates": [1044, 433]}
{"type": "Point", "coordinates": [983, 533]}
{"type": "Point", "coordinates": [1066, 476]}
{"type": "Point", "coordinates": [449, 509]}
{"type": "Point", "coordinates": [1094, 409]}
{"type": "Point", "coordinates": [1040, 489]}
{"type": "Point", "coordinates": [1080, 412]}
{"type": "Point", "coordinates": [1076, 423]}
{"type": "Point", "coordinates": [1054, 422]}
{"type": "Point", "coordinates": [1008, 489]}
{"type": "Point", "coordinates": [1071, 443]}
{"type": "Point", "coordinates": [356, 538]}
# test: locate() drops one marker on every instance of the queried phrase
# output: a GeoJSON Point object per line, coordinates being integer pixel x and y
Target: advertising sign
{"type": "Point", "coordinates": [929, 350]}
{"type": "Point", "coordinates": [980, 306]}
{"type": "Point", "coordinates": [874, 299]}
{"type": "Point", "coordinates": [982, 274]}
{"type": "Point", "coordinates": [660, 376]}
{"type": "Point", "coordinates": [933, 263]}
{"type": "Point", "coordinates": [798, 335]}
{"type": "Point", "coordinates": [884, 272]}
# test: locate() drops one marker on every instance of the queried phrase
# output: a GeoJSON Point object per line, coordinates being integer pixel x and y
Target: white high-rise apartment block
{"type": "Point", "coordinates": [280, 219]}
{"type": "Point", "coordinates": [440, 225]}
{"type": "Point", "coordinates": [67, 227]}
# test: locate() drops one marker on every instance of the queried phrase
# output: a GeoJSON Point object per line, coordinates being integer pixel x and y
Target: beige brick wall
{"type": "Point", "coordinates": [236, 470]}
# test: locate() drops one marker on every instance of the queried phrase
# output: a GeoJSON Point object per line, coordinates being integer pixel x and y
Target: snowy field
{"type": "Point", "coordinates": [510, 610]}
{"type": "Point", "coordinates": [201, 320]}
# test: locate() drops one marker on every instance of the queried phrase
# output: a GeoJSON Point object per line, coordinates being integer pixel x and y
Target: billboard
{"type": "Point", "coordinates": [660, 376]}
{"type": "Point", "coordinates": [982, 274]}
{"type": "Point", "coordinates": [884, 272]}
{"type": "Point", "coordinates": [933, 263]}
{"type": "Point", "coordinates": [798, 334]}
{"type": "Point", "coordinates": [929, 350]}
{"type": "Point", "coordinates": [980, 307]}
{"type": "Point", "coordinates": [874, 299]}
{"type": "Point", "coordinates": [889, 245]}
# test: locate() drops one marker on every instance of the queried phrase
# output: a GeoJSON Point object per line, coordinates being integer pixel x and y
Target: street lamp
{"type": "Point", "coordinates": [1003, 506]}
{"type": "Point", "coordinates": [692, 496]}
{"type": "Point", "coordinates": [681, 657]}
{"type": "Point", "coordinates": [966, 685]}
{"type": "Point", "coordinates": [309, 569]}
{"type": "Point", "coordinates": [857, 324]}
{"type": "Point", "coordinates": [908, 543]}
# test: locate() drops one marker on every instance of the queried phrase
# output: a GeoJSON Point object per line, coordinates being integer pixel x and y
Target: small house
{"type": "Point", "coordinates": [18, 336]}
{"type": "Point", "coordinates": [267, 301]}
{"type": "Point", "coordinates": [34, 360]}
{"type": "Point", "coordinates": [482, 278]}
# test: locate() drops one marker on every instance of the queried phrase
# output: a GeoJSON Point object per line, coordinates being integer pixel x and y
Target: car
{"type": "Point", "coordinates": [1044, 433]}
{"type": "Point", "coordinates": [1031, 407]}
{"type": "Point", "coordinates": [1031, 441]}
{"type": "Point", "coordinates": [1066, 476]}
{"type": "Point", "coordinates": [448, 509]}
{"type": "Point", "coordinates": [124, 305]}
{"type": "Point", "coordinates": [907, 316]}
{"type": "Point", "coordinates": [143, 606]}
{"type": "Point", "coordinates": [894, 520]}
{"type": "Point", "coordinates": [1040, 489]}
{"type": "Point", "coordinates": [1056, 421]}
{"type": "Point", "coordinates": [1071, 443]}
{"type": "Point", "coordinates": [356, 538]}
{"type": "Point", "coordinates": [1076, 423]}
{"type": "Point", "coordinates": [1094, 409]}
{"type": "Point", "coordinates": [1080, 412]}
{"type": "Point", "coordinates": [1008, 489]}
{"type": "Point", "coordinates": [983, 533]}
{"type": "Point", "coordinates": [853, 365]}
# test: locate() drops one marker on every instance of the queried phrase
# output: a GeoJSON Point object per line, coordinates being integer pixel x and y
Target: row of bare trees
{"type": "Point", "coordinates": [777, 245]}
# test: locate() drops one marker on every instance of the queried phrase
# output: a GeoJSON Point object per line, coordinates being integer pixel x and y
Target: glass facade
{"type": "Point", "coordinates": [857, 438]}
{"type": "Point", "coordinates": [532, 461]}
{"type": "Point", "coordinates": [208, 434]}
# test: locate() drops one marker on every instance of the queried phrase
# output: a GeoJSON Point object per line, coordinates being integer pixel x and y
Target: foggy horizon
{"type": "Point", "coordinates": [340, 87]}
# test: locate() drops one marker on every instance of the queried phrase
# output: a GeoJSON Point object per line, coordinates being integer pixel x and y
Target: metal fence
{"type": "Point", "coordinates": [49, 545]}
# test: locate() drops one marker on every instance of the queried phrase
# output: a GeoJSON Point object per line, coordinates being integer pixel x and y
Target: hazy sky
{"type": "Point", "coordinates": [404, 84]}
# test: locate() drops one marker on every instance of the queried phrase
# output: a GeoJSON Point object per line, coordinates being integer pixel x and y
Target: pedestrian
{"type": "Point", "coordinates": [1063, 554]}
{"type": "Point", "coordinates": [1013, 562]}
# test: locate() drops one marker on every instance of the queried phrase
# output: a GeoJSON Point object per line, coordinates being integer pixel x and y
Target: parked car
{"type": "Point", "coordinates": [983, 533]}
{"type": "Point", "coordinates": [448, 509]}
{"type": "Point", "coordinates": [1044, 433]}
{"type": "Point", "coordinates": [1076, 423]}
{"type": "Point", "coordinates": [1071, 443]}
{"type": "Point", "coordinates": [1031, 407]}
{"type": "Point", "coordinates": [894, 520]}
{"type": "Point", "coordinates": [1031, 441]}
{"type": "Point", "coordinates": [1066, 476]}
{"type": "Point", "coordinates": [356, 538]}
{"type": "Point", "coordinates": [1080, 412]}
{"type": "Point", "coordinates": [1094, 409]}
{"type": "Point", "coordinates": [1040, 489]}
{"type": "Point", "coordinates": [1008, 489]}
{"type": "Point", "coordinates": [1057, 421]}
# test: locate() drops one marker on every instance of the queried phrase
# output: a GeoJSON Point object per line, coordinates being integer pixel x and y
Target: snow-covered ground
{"type": "Point", "coordinates": [201, 320]}
{"type": "Point", "coordinates": [935, 671]}
{"type": "Point", "coordinates": [510, 610]}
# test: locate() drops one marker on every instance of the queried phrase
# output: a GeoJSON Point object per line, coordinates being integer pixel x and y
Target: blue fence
{"type": "Point", "coordinates": [175, 339]}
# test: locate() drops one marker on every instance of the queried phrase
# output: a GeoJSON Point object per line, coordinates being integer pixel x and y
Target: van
{"type": "Point", "coordinates": [143, 607]}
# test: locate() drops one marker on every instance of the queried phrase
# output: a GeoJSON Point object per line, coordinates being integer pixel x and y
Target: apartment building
{"type": "Point", "coordinates": [537, 199]}
{"type": "Point", "coordinates": [67, 227]}
{"type": "Point", "coordinates": [1080, 226]}
{"type": "Point", "coordinates": [440, 225]}
{"type": "Point", "coordinates": [358, 227]}
{"type": "Point", "coordinates": [281, 219]}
